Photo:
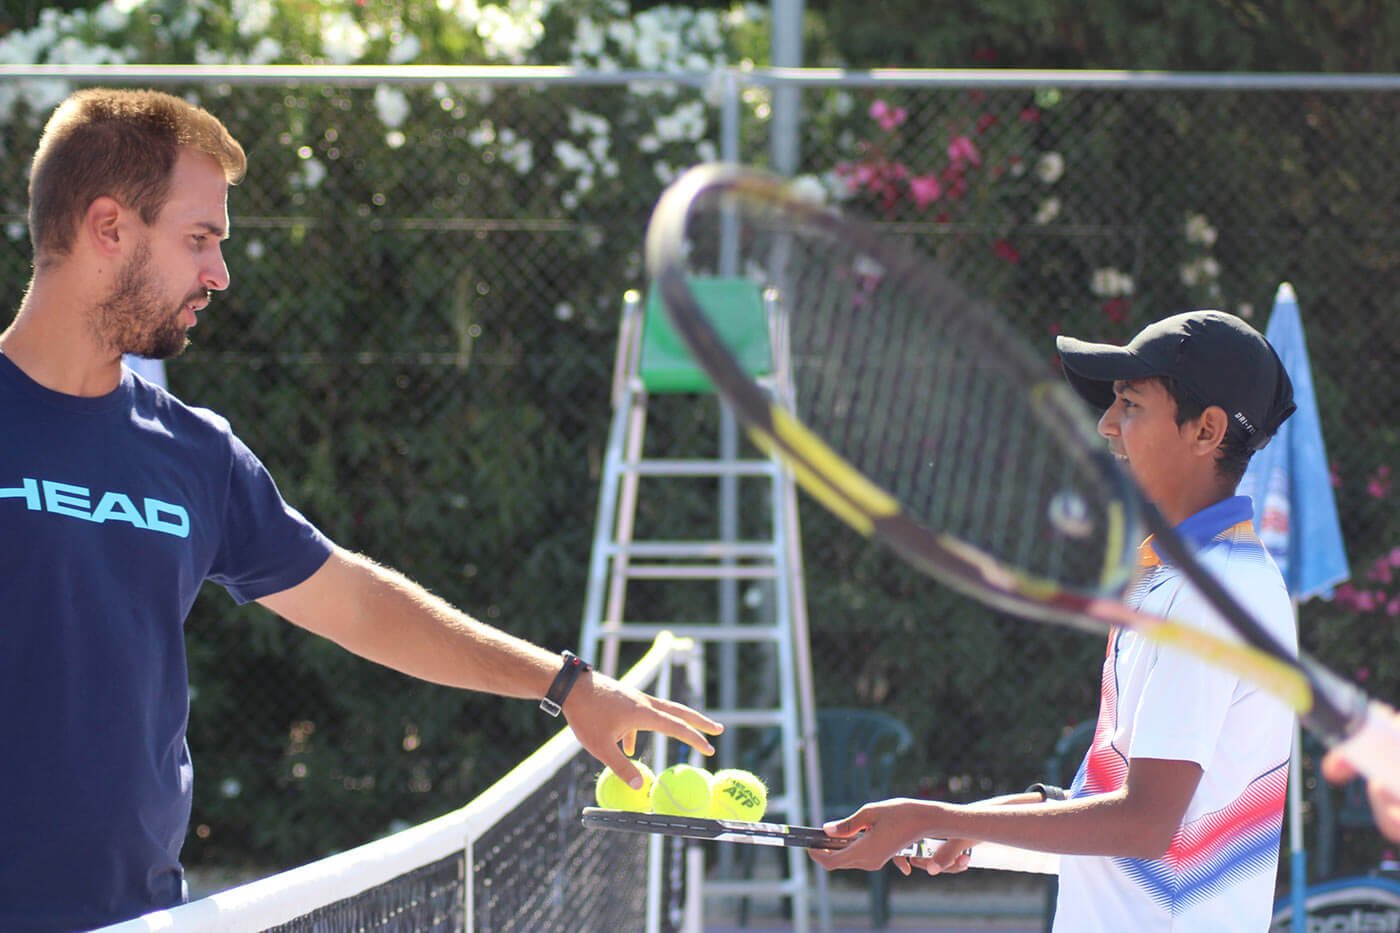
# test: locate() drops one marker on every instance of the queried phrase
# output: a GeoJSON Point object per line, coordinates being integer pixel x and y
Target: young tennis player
{"type": "Point", "coordinates": [1173, 820]}
{"type": "Point", "coordinates": [117, 502]}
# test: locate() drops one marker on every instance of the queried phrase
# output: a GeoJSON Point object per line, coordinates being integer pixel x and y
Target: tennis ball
{"type": "Point", "coordinates": [681, 790]}
{"type": "Point", "coordinates": [737, 795]}
{"type": "Point", "coordinates": [613, 793]}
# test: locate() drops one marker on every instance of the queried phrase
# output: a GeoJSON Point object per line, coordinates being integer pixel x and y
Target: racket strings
{"type": "Point", "coordinates": [899, 371]}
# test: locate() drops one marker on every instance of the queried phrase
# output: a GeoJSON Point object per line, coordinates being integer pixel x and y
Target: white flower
{"type": "Point", "coordinates": [391, 105]}
{"type": "Point", "coordinates": [1109, 282]}
{"type": "Point", "coordinates": [109, 17]}
{"type": "Point", "coordinates": [395, 139]}
{"type": "Point", "coordinates": [1049, 209]}
{"type": "Point", "coordinates": [16, 230]}
{"type": "Point", "coordinates": [231, 787]}
{"type": "Point", "coordinates": [808, 188]}
{"type": "Point", "coordinates": [405, 50]}
{"type": "Point", "coordinates": [255, 249]}
{"type": "Point", "coordinates": [253, 17]}
{"type": "Point", "coordinates": [267, 51]}
{"type": "Point", "coordinates": [581, 121]}
{"type": "Point", "coordinates": [563, 311]}
{"type": "Point", "coordinates": [482, 135]}
{"type": "Point", "coordinates": [1049, 167]}
{"type": "Point", "coordinates": [570, 156]}
{"type": "Point", "coordinates": [588, 39]}
{"type": "Point", "coordinates": [312, 173]}
{"type": "Point", "coordinates": [519, 156]}
{"type": "Point", "coordinates": [1199, 231]}
{"type": "Point", "coordinates": [342, 39]}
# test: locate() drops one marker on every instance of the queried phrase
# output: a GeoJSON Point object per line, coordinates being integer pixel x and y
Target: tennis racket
{"type": "Point", "coordinates": [924, 421]}
{"type": "Point", "coordinates": [984, 855]}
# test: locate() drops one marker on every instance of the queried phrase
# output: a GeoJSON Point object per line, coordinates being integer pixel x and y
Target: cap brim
{"type": "Point", "coordinates": [1092, 368]}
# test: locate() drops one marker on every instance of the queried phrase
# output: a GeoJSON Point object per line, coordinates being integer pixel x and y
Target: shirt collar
{"type": "Point", "coordinates": [1199, 529]}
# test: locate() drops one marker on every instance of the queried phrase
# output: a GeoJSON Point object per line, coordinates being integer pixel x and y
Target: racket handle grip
{"type": "Point", "coordinates": [991, 855]}
{"type": "Point", "coordinates": [1374, 749]}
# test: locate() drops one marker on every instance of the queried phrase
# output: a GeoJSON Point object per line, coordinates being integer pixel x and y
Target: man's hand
{"type": "Point", "coordinates": [882, 829]}
{"type": "Point", "coordinates": [606, 716]}
{"type": "Point", "coordinates": [1385, 806]}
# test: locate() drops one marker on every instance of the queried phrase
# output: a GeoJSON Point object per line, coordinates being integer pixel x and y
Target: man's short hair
{"type": "Point", "coordinates": [117, 143]}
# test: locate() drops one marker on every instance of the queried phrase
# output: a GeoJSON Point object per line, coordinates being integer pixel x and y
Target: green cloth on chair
{"type": "Point", "coordinates": [734, 307]}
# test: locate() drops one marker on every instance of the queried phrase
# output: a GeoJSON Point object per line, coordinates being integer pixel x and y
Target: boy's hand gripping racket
{"type": "Point", "coordinates": [923, 420]}
{"type": "Point", "coordinates": [984, 855]}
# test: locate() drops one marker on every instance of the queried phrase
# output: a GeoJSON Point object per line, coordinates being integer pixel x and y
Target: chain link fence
{"type": "Point", "coordinates": [427, 276]}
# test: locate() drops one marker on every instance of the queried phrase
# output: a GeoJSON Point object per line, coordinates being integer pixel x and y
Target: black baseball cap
{"type": "Point", "coordinates": [1215, 356]}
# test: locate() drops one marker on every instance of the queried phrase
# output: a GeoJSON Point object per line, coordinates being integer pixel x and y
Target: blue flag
{"type": "Point", "coordinates": [1295, 510]}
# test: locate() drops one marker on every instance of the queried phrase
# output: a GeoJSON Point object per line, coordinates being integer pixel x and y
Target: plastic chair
{"type": "Point", "coordinates": [859, 751]}
{"type": "Point", "coordinates": [1338, 810]}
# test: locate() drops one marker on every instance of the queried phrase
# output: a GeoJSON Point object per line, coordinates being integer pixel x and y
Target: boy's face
{"type": "Point", "coordinates": [1141, 430]}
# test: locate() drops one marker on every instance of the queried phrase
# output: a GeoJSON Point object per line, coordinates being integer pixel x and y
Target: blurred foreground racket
{"type": "Point", "coordinates": [921, 419]}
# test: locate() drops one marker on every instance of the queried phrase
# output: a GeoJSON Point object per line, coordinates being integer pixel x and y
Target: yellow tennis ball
{"type": "Point", "coordinates": [736, 794]}
{"type": "Point", "coordinates": [681, 790]}
{"type": "Point", "coordinates": [613, 793]}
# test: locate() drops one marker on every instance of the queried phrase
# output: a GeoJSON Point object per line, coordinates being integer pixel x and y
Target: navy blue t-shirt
{"type": "Point", "coordinates": [113, 512]}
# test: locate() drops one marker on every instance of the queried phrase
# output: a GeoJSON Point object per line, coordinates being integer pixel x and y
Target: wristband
{"type": "Point", "coordinates": [553, 702]}
{"type": "Point", "coordinates": [1048, 792]}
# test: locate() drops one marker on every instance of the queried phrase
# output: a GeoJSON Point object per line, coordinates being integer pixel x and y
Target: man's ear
{"type": "Point", "coordinates": [1210, 429]}
{"type": "Point", "coordinates": [103, 225]}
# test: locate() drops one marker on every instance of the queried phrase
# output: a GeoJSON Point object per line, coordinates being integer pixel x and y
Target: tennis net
{"type": "Point", "coordinates": [515, 859]}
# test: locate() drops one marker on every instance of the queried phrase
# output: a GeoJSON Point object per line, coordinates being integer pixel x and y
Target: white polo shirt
{"type": "Point", "coordinates": [1218, 874]}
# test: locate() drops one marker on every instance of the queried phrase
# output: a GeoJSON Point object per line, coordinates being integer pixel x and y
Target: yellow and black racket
{"type": "Point", "coordinates": [923, 420]}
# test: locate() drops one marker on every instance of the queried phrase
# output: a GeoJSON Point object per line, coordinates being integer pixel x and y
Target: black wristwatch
{"type": "Point", "coordinates": [553, 702]}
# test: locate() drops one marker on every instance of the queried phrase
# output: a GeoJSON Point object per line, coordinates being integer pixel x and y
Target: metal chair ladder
{"type": "Point", "coordinates": [716, 531]}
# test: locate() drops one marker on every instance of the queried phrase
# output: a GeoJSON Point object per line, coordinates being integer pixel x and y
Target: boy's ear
{"type": "Point", "coordinates": [1211, 427]}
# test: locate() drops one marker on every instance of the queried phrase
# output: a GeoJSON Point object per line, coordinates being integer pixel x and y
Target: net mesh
{"type": "Point", "coordinates": [430, 899]}
{"type": "Point", "coordinates": [549, 873]}
{"type": "Point", "coordinates": [517, 858]}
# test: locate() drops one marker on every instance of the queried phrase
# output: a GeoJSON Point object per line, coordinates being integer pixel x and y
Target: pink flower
{"type": "Point", "coordinates": [1363, 674]}
{"type": "Point", "coordinates": [1004, 251]}
{"type": "Point", "coordinates": [1334, 475]}
{"type": "Point", "coordinates": [1030, 115]}
{"type": "Point", "coordinates": [1380, 571]}
{"type": "Point", "coordinates": [963, 151]}
{"type": "Point", "coordinates": [1378, 484]}
{"type": "Point", "coordinates": [1116, 309]}
{"type": "Point", "coordinates": [986, 122]}
{"type": "Point", "coordinates": [886, 116]}
{"type": "Point", "coordinates": [925, 189]}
